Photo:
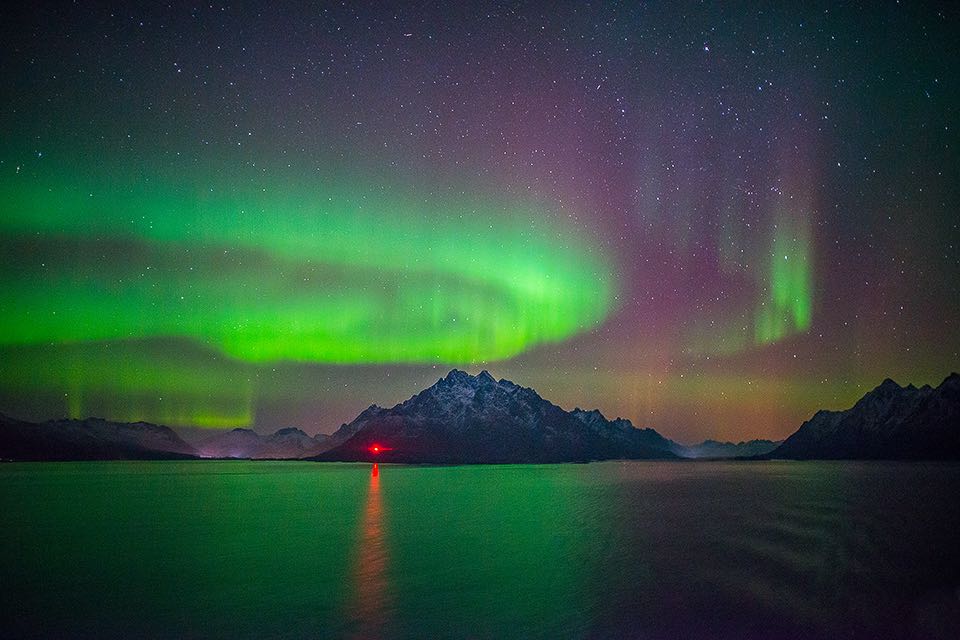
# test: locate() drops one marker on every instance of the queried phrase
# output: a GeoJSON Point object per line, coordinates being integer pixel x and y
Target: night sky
{"type": "Point", "coordinates": [711, 220]}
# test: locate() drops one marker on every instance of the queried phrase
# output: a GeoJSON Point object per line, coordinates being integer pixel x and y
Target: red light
{"type": "Point", "coordinates": [377, 448]}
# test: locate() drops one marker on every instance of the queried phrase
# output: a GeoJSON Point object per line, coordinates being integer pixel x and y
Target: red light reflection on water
{"type": "Point", "coordinates": [370, 605]}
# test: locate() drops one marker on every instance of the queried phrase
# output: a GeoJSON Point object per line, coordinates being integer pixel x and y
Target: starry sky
{"type": "Point", "coordinates": [711, 219]}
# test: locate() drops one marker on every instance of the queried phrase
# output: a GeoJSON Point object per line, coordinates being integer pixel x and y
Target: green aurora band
{"type": "Point", "coordinates": [331, 273]}
{"type": "Point", "coordinates": [162, 381]}
{"type": "Point", "coordinates": [788, 308]}
{"type": "Point", "coordinates": [782, 291]}
{"type": "Point", "coordinates": [175, 297]}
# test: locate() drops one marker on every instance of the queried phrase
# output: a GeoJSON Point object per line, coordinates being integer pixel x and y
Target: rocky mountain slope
{"type": "Point", "coordinates": [891, 422]}
{"type": "Point", "coordinates": [475, 419]}
{"type": "Point", "coordinates": [89, 439]}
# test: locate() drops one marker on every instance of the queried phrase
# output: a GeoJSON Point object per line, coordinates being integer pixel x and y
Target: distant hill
{"type": "Point", "coordinates": [285, 444]}
{"type": "Point", "coordinates": [477, 419]}
{"type": "Point", "coordinates": [89, 439]}
{"type": "Point", "coordinates": [715, 449]}
{"type": "Point", "coordinates": [891, 422]}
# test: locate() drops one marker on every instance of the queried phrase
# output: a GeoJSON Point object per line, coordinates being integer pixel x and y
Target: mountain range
{"type": "Point", "coordinates": [477, 419]}
{"type": "Point", "coordinates": [285, 444]}
{"type": "Point", "coordinates": [714, 449]}
{"type": "Point", "coordinates": [890, 422]}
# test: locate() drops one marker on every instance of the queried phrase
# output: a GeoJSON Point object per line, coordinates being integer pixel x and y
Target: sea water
{"type": "Point", "coordinates": [615, 549]}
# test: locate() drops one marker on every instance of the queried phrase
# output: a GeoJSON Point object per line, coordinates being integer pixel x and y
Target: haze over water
{"type": "Point", "coordinates": [625, 549]}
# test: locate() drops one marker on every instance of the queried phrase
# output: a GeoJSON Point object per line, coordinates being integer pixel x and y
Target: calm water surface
{"type": "Point", "coordinates": [618, 549]}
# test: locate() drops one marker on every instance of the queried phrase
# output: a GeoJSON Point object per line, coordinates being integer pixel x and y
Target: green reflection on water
{"type": "Point", "coordinates": [296, 549]}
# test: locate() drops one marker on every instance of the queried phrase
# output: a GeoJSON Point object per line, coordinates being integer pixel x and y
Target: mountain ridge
{"type": "Point", "coordinates": [287, 443]}
{"type": "Point", "coordinates": [889, 422]}
{"type": "Point", "coordinates": [90, 439]}
{"type": "Point", "coordinates": [475, 419]}
{"type": "Point", "coordinates": [716, 449]}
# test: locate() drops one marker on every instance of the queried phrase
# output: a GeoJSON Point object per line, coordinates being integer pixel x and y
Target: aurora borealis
{"type": "Point", "coordinates": [712, 221]}
{"type": "Point", "coordinates": [330, 274]}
